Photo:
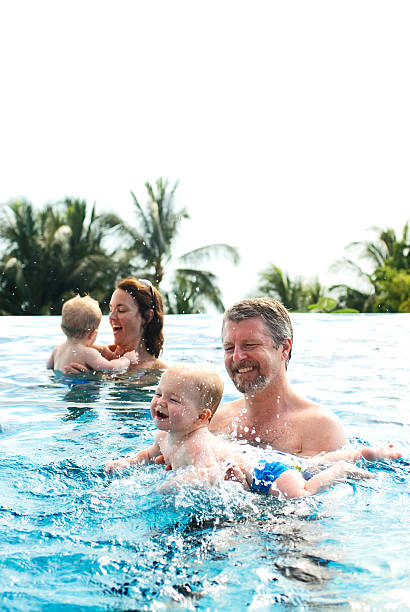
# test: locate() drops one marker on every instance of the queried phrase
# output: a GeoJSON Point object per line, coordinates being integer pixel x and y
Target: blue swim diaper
{"type": "Point", "coordinates": [265, 473]}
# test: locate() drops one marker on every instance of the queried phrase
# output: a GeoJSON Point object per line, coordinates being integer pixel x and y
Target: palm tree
{"type": "Point", "coordinates": [190, 291]}
{"type": "Point", "coordinates": [295, 294]}
{"type": "Point", "coordinates": [52, 253]}
{"type": "Point", "coordinates": [26, 262]}
{"type": "Point", "coordinates": [90, 266]}
{"type": "Point", "coordinates": [153, 240]}
{"type": "Point", "coordinates": [384, 253]}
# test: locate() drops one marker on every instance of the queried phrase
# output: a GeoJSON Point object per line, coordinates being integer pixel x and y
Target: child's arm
{"type": "Point", "coordinates": [292, 484]}
{"type": "Point", "coordinates": [105, 351]}
{"type": "Point", "coordinates": [370, 453]}
{"type": "Point", "coordinates": [97, 362]}
{"type": "Point", "coordinates": [147, 455]}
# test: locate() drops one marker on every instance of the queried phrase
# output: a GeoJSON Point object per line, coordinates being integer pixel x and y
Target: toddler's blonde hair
{"type": "Point", "coordinates": [205, 381]}
{"type": "Point", "coordinates": [80, 316]}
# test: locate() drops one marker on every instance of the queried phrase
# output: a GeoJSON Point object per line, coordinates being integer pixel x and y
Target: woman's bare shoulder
{"type": "Point", "coordinates": [160, 364]}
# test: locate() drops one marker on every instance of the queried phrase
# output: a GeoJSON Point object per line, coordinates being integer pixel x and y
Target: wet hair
{"type": "Point", "coordinates": [80, 316]}
{"type": "Point", "coordinates": [273, 314]}
{"type": "Point", "coordinates": [205, 381]}
{"type": "Point", "coordinates": [147, 297]}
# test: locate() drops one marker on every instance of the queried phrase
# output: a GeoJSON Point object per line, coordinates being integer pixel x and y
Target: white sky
{"type": "Point", "coordinates": [286, 123]}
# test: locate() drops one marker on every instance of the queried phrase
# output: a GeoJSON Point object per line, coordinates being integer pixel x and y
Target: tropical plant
{"type": "Point", "coordinates": [392, 290]}
{"type": "Point", "coordinates": [152, 240]}
{"type": "Point", "coordinates": [275, 283]}
{"type": "Point", "coordinates": [52, 253]}
{"type": "Point", "coordinates": [295, 294]}
{"type": "Point", "coordinates": [355, 299]}
{"type": "Point", "coordinates": [329, 305]}
{"type": "Point", "coordinates": [384, 288]}
{"type": "Point", "coordinates": [191, 291]}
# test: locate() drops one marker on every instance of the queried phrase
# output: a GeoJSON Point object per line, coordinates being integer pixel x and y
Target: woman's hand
{"type": "Point", "coordinates": [75, 368]}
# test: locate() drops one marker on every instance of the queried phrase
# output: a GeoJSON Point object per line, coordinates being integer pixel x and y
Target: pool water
{"type": "Point", "coordinates": [73, 538]}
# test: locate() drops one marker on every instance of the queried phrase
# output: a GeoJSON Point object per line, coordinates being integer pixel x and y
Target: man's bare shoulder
{"type": "Point", "coordinates": [222, 420]}
{"type": "Point", "coordinates": [322, 429]}
{"type": "Point", "coordinates": [318, 412]}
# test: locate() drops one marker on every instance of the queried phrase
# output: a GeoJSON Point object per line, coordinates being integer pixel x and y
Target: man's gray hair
{"type": "Point", "coordinates": [272, 313]}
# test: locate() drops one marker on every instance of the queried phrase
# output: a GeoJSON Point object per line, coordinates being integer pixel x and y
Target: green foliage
{"type": "Point", "coordinates": [354, 299]}
{"type": "Point", "coordinates": [52, 254]}
{"type": "Point", "coordinates": [157, 227]}
{"type": "Point", "coordinates": [191, 291]}
{"type": "Point", "coordinates": [392, 290]}
{"type": "Point", "coordinates": [388, 281]}
{"type": "Point", "coordinates": [296, 294]}
{"type": "Point", "coordinates": [152, 242]}
{"type": "Point", "coordinates": [329, 305]}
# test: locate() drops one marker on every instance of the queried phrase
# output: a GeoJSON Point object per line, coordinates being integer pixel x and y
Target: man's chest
{"type": "Point", "coordinates": [280, 433]}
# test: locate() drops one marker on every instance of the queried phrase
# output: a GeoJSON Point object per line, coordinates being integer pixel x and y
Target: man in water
{"type": "Point", "coordinates": [257, 338]}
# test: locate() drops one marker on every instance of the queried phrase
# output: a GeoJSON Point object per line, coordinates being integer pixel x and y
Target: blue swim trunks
{"type": "Point", "coordinates": [272, 466]}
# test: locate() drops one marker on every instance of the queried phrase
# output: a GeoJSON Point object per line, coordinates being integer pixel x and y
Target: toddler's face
{"type": "Point", "coordinates": [175, 405]}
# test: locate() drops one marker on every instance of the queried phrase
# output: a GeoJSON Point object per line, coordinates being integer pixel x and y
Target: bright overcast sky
{"type": "Point", "coordinates": [286, 123]}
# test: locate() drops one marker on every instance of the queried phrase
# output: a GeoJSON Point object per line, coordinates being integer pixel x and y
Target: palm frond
{"type": "Point", "coordinates": [211, 251]}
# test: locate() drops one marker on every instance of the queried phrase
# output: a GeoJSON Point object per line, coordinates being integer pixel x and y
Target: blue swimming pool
{"type": "Point", "coordinates": [74, 539]}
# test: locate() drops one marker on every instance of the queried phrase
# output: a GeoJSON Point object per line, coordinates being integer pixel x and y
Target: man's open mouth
{"type": "Point", "coordinates": [244, 368]}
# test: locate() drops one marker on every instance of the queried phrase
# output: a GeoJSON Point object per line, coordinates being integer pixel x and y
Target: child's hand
{"type": "Point", "coordinates": [161, 461]}
{"type": "Point", "coordinates": [352, 470]}
{"type": "Point", "coordinates": [237, 473]}
{"type": "Point", "coordinates": [116, 464]}
{"type": "Point", "coordinates": [371, 453]}
{"type": "Point", "coordinates": [131, 355]}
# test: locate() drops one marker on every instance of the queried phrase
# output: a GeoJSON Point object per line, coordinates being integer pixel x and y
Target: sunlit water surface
{"type": "Point", "coordinates": [75, 539]}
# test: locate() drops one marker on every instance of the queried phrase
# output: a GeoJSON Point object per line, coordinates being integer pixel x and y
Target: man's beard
{"type": "Point", "coordinates": [248, 387]}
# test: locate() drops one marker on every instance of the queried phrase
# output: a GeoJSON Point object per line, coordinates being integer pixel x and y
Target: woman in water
{"type": "Point", "coordinates": [137, 319]}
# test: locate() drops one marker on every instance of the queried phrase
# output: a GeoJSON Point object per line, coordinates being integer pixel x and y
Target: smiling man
{"type": "Point", "coordinates": [257, 337]}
